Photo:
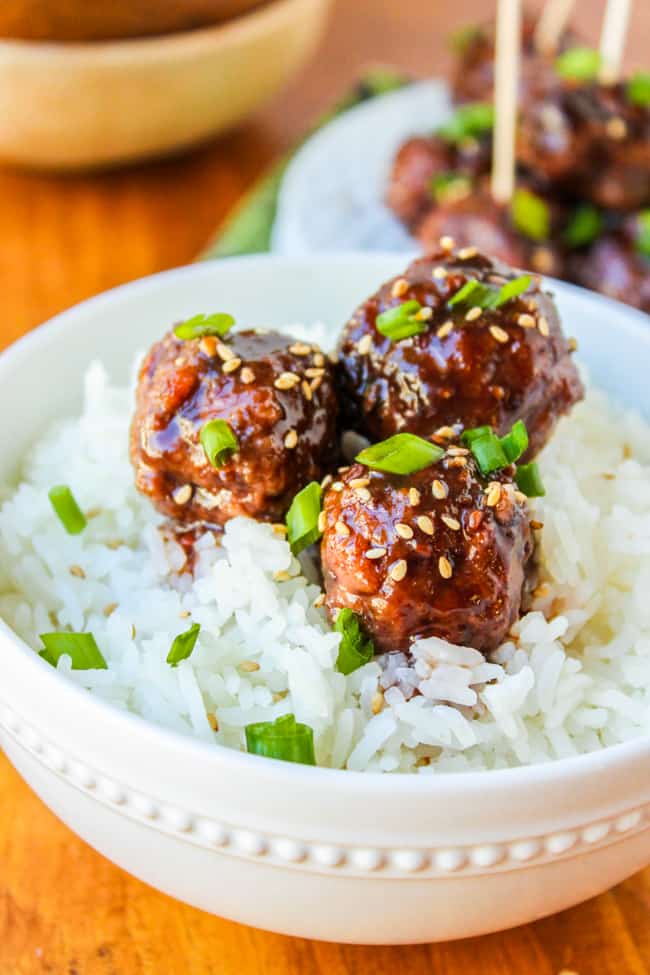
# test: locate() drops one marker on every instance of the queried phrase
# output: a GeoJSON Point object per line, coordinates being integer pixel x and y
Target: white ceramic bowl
{"type": "Point", "coordinates": [344, 856]}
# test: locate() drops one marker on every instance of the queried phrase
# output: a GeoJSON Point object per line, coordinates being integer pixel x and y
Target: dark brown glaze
{"type": "Point", "coordinates": [183, 385]}
{"type": "Point", "coordinates": [614, 267]}
{"type": "Point", "coordinates": [461, 575]}
{"type": "Point", "coordinates": [470, 373]}
{"type": "Point", "coordinates": [590, 141]}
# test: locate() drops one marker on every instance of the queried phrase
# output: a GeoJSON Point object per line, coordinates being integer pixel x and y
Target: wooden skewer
{"type": "Point", "coordinates": [506, 93]}
{"type": "Point", "coordinates": [551, 24]}
{"type": "Point", "coordinates": [612, 38]}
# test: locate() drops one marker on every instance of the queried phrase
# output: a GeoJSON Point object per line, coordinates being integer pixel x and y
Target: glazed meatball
{"type": "Point", "coordinates": [467, 365]}
{"type": "Point", "coordinates": [442, 552]}
{"type": "Point", "coordinates": [276, 394]}
{"type": "Point", "coordinates": [613, 266]}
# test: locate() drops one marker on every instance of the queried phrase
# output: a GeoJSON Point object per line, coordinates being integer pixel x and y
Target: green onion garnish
{"type": "Point", "coordinates": [578, 64]}
{"type": "Point", "coordinates": [402, 454]}
{"type": "Point", "coordinates": [584, 226]}
{"type": "Point", "coordinates": [355, 649]}
{"type": "Point", "coordinates": [643, 233]}
{"type": "Point", "coordinates": [530, 215]}
{"type": "Point", "coordinates": [183, 645]}
{"type": "Point", "coordinates": [638, 89]}
{"type": "Point", "coordinates": [70, 514]}
{"type": "Point", "coordinates": [219, 323]}
{"type": "Point", "coordinates": [400, 322]}
{"type": "Point", "coordinates": [469, 436]}
{"type": "Point", "coordinates": [80, 647]}
{"type": "Point", "coordinates": [489, 453]}
{"type": "Point", "coordinates": [529, 480]}
{"type": "Point", "coordinates": [218, 442]}
{"type": "Point", "coordinates": [474, 293]}
{"type": "Point", "coordinates": [468, 122]}
{"type": "Point", "coordinates": [283, 738]}
{"type": "Point", "coordinates": [445, 187]}
{"type": "Point", "coordinates": [302, 518]}
{"type": "Point", "coordinates": [515, 443]}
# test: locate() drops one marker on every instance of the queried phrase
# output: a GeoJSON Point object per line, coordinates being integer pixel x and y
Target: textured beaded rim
{"type": "Point", "coordinates": [253, 844]}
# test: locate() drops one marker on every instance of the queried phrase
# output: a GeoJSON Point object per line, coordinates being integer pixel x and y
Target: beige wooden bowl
{"type": "Point", "coordinates": [73, 105]}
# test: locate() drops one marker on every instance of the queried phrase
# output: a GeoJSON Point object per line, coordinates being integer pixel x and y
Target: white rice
{"type": "Point", "coordinates": [574, 677]}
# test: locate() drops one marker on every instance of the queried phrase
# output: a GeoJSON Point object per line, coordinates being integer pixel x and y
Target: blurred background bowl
{"type": "Point", "coordinates": [69, 105]}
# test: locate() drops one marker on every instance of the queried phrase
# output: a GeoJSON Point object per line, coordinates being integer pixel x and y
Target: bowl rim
{"type": "Point", "coordinates": [476, 781]}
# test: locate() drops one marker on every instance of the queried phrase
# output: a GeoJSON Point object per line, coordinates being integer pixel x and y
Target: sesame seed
{"type": "Point", "coordinates": [467, 252]}
{"type": "Point", "coordinates": [447, 243]}
{"type": "Point", "coordinates": [286, 380]}
{"type": "Point", "coordinates": [341, 529]}
{"type": "Point", "coordinates": [445, 432]}
{"type": "Point", "coordinates": [249, 666]}
{"type": "Point", "coordinates": [306, 390]}
{"type": "Point", "coordinates": [616, 128]}
{"type": "Point", "coordinates": [474, 313]}
{"type": "Point", "coordinates": [399, 570]}
{"type": "Point", "coordinates": [208, 345]}
{"type": "Point", "coordinates": [359, 482]}
{"type": "Point", "coordinates": [375, 553]}
{"type": "Point", "coordinates": [182, 494]}
{"type": "Point", "coordinates": [404, 531]}
{"type": "Point", "coordinates": [425, 525]}
{"type": "Point", "coordinates": [526, 321]}
{"type": "Point", "coordinates": [133, 631]}
{"type": "Point", "coordinates": [542, 325]}
{"type": "Point", "coordinates": [414, 497]}
{"type": "Point", "coordinates": [77, 571]}
{"type": "Point", "coordinates": [344, 470]}
{"type": "Point", "coordinates": [445, 330]}
{"type": "Point", "coordinates": [327, 480]}
{"type": "Point", "coordinates": [212, 721]}
{"type": "Point", "coordinates": [362, 493]}
{"type": "Point", "coordinates": [573, 344]}
{"type": "Point", "coordinates": [291, 440]}
{"type": "Point", "coordinates": [322, 522]}
{"type": "Point", "coordinates": [93, 513]}
{"type": "Point", "coordinates": [456, 461]}
{"type": "Point", "coordinates": [450, 522]}
{"type": "Point", "coordinates": [247, 375]}
{"type": "Point", "coordinates": [315, 383]}
{"type": "Point", "coordinates": [377, 702]}
{"type": "Point", "coordinates": [440, 490]}
{"type": "Point", "coordinates": [475, 519]}
{"type": "Point", "coordinates": [281, 576]}
{"type": "Point", "coordinates": [542, 260]}
{"type": "Point", "coordinates": [110, 609]}
{"type": "Point", "coordinates": [337, 486]}
{"type": "Point", "coordinates": [537, 525]}
{"type": "Point", "coordinates": [224, 352]}
{"type": "Point", "coordinates": [444, 567]}
{"type": "Point", "coordinates": [279, 528]}
{"type": "Point", "coordinates": [499, 333]}
{"type": "Point", "coordinates": [520, 497]}
{"type": "Point", "coordinates": [457, 451]}
{"type": "Point", "coordinates": [400, 287]}
{"type": "Point", "coordinates": [493, 494]}
{"type": "Point", "coordinates": [319, 358]}
{"type": "Point", "coordinates": [318, 602]}
{"type": "Point", "coordinates": [300, 348]}
{"type": "Point", "coordinates": [424, 314]}
{"type": "Point", "coordinates": [364, 344]}
{"type": "Point", "coordinates": [179, 361]}
{"type": "Point", "coordinates": [231, 365]}
{"type": "Point", "coordinates": [440, 273]}
{"type": "Point", "coordinates": [313, 373]}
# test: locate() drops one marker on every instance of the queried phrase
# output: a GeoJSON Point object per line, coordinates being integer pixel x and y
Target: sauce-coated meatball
{"type": "Point", "coordinates": [442, 552]}
{"type": "Point", "coordinates": [276, 394]}
{"type": "Point", "coordinates": [613, 266]}
{"type": "Point", "coordinates": [475, 220]}
{"type": "Point", "coordinates": [468, 365]}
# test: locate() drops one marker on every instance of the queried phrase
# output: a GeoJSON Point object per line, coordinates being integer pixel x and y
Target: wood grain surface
{"type": "Point", "coordinates": [63, 908]}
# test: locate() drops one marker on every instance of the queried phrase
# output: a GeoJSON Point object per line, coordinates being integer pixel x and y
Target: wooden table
{"type": "Point", "coordinates": [63, 908]}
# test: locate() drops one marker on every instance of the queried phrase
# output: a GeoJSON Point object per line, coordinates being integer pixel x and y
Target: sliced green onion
{"type": "Point", "coordinates": [302, 518]}
{"type": "Point", "coordinates": [80, 647]}
{"type": "Point", "coordinates": [469, 436]}
{"type": "Point", "coordinates": [488, 453]}
{"type": "Point", "coordinates": [445, 187]}
{"type": "Point", "coordinates": [70, 514]}
{"type": "Point", "coordinates": [218, 442]}
{"type": "Point", "coordinates": [402, 454]}
{"type": "Point", "coordinates": [355, 649]}
{"type": "Point", "coordinates": [529, 480]}
{"type": "Point", "coordinates": [530, 215]}
{"type": "Point", "coordinates": [638, 89]}
{"type": "Point", "coordinates": [512, 289]}
{"type": "Point", "coordinates": [468, 122]}
{"type": "Point", "coordinates": [583, 228]}
{"type": "Point", "coordinates": [515, 443]}
{"type": "Point", "coordinates": [219, 323]}
{"type": "Point", "coordinates": [578, 64]}
{"type": "Point", "coordinates": [183, 645]}
{"type": "Point", "coordinates": [643, 233]}
{"type": "Point", "coordinates": [283, 738]}
{"type": "Point", "coordinates": [399, 322]}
